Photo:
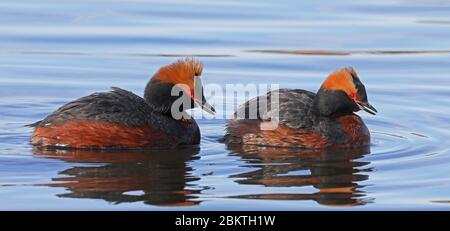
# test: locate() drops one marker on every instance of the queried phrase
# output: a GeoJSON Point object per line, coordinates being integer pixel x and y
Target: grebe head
{"type": "Point", "coordinates": [182, 76]}
{"type": "Point", "coordinates": [343, 93]}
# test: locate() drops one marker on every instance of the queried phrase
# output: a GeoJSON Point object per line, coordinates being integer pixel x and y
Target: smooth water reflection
{"type": "Point", "coordinates": [162, 177]}
{"type": "Point", "coordinates": [155, 177]}
{"type": "Point", "coordinates": [338, 175]}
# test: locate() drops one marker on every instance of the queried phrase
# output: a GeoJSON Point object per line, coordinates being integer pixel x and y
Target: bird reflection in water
{"type": "Point", "coordinates": [154, 177]}
{"type": "Point", "coordinates": [336, 175]}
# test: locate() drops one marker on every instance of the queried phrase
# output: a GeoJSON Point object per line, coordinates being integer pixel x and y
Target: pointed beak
{"type": "Point", "coordinates": [199, 99]}
{"type": "Point", "coordinates": [367, 107]}
{"type": "Point", "coordinates": [208, 108]}
{"type": "Point", "coordinates": [205, 106]}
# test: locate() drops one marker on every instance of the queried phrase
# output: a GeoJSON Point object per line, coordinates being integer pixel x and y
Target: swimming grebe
{"type": "Point", "coordinates": [121, 119]}
{"type": "Point", "coordinates": [305, 119]}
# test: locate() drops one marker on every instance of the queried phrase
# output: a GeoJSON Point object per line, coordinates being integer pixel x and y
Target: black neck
{"type": "Point", "coordinates": [333, 102]}
{"type": "Point", "coordinates": [159, 96]}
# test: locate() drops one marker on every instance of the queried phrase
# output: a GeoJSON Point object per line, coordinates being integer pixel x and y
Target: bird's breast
{"type": "Point", "coordinates": [354, 130]}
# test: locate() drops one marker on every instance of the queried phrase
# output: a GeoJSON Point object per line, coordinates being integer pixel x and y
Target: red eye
{"type": "Point", "coordinates": [352, 95]}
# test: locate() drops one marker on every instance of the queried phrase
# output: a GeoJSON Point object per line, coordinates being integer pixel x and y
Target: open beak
{"type": "Point", "coordinates": [366, 107]}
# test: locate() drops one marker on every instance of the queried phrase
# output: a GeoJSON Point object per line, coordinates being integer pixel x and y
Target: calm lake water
{"type": "Point", "coordinates": [52, 52]}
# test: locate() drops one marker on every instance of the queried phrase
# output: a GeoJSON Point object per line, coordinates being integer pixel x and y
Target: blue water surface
{"type": "Point", "coordinates": [52, 52]}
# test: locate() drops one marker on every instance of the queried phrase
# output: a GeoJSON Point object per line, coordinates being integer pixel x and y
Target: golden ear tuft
{"type": "Point", "coordinates": [193, 64]}
{"type": "Point", "coordinates": [182, 71]}
{"type": "Point", "coordinates": [341, 80]}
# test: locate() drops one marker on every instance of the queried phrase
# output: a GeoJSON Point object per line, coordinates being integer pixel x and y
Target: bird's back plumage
{"type": "Point", "coordinates": [121, 111]}
{"type": "Point", "coordinates": [298, 124]}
